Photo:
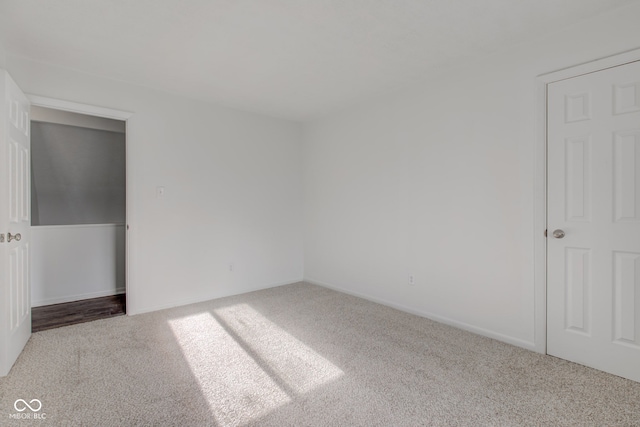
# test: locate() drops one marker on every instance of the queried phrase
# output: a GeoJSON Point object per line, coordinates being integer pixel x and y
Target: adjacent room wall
{"type": "Point", "coordinates": [232, 190]}
{"type": "Point", "coordinates": [77, 175]}
{"type": "Point", "coordinates": [75, 262]}
{"type": "Point", "coordinates": [437, 181]}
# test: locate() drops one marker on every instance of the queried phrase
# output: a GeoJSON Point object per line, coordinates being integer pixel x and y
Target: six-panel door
{"type": "Point", "coordinates": [593, 276]}
{"type": "Point", "coordinates": [15, 214]}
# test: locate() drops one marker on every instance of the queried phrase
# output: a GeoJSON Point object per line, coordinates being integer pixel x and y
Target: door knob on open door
{"type": "Point", "coordinates": [558, 234]}
{"type": "Point", "coordinates": [15, 237]}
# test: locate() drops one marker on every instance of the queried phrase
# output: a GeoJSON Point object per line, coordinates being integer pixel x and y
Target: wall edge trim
{"type": "Point", "coordinates": [188, 301]}
{"type": "Point", "coordinates": [431, 316]}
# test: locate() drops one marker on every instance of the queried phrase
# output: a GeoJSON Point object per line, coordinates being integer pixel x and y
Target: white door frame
{"type": "Point", "coordinates": [91, 110]}
{"type": "Point", "coordinates": [540, 195]}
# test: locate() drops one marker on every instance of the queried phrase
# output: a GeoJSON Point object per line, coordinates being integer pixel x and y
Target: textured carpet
{"type": "Point", "coordinates": [300, 355]}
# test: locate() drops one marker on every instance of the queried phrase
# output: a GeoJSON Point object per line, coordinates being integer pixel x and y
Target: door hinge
{"type": "Point", "coordinates": [545, 233]}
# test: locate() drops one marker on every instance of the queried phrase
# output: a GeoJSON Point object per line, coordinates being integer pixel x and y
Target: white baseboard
{"type": "Point", "coordinates": [435, 317]}
{"type": "Point", "coordinates": [78, 297]}
{"type": "Point", "coordinates": [209, 297]}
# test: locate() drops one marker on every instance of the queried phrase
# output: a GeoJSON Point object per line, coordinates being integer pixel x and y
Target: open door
{"type": "Point", "coordinates": [15, 222]}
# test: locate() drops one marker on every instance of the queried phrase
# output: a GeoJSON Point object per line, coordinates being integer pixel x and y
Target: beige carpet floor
{"type": "Point", "coordinates": [300, 355]}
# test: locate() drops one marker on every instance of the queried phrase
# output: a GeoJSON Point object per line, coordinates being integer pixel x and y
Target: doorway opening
{"type": "Point", "coordinates": [78, 217]}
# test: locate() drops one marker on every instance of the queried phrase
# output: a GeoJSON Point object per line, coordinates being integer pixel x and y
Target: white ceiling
{"type": "Point", "coordinates": [294, 59]}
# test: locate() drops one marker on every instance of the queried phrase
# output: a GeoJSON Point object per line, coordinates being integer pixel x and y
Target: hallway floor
{"type": "Point", "coordinates": [70, 313]}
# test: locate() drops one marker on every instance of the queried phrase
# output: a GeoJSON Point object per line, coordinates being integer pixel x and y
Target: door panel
{"type": "Point", "coordinates": [577, 290]}
{"type": "Point", "coordinates": [15, 219]}
{"type": "Point", "coordinates": [626, 180]}
{"type": "Point", "coordinates": [593, 273]}
{"type": "Point", "coordinates": [626, 277]}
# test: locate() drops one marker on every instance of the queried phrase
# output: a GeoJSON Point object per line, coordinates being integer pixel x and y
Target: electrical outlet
{"type": "Point", "coordinates": [412, 280]}
{"type": "Point", "coordinates": [231, 266]}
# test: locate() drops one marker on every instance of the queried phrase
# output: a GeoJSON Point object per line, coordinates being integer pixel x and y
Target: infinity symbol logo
{"type": "Point", "coordinates": [26, 405]}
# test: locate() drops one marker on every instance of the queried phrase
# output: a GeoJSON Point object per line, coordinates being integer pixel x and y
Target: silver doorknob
{"type": "Point", "coordinates": [15, 237]}
{"type": "Point", "coordinates": [558, 234]}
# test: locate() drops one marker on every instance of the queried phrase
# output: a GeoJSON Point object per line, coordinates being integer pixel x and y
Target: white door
{"type": "Point", "coordinates": [15, 222]}
{"type": "Point", "coordinates": [593, 272]}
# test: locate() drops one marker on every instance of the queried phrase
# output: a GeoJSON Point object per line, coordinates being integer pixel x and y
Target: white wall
{"type": "Point", "coordinates": [438, 181]}
{"type": "Point", "coordinates": [74, 262]}
{"type": "Point", "coordinates": [3, 58]}
{"type": "Point", "coordinates": [232, 181]}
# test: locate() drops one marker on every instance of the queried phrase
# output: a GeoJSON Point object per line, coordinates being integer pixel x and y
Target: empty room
{"type": "Point", "coordinates": [320, 213]}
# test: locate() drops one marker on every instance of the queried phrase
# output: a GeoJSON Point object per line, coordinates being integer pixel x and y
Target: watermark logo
{"type": "Point", "coordinates": [34, 405]}
{"type": "Point", "coordinates": [21, 405]}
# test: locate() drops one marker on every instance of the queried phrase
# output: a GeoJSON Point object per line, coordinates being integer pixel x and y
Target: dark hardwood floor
{"type": "Point", "coordinates": [70, 313]}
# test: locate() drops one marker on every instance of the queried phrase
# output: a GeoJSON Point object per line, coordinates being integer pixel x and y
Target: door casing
{"type": "Point", "coordinates": [540, 180]}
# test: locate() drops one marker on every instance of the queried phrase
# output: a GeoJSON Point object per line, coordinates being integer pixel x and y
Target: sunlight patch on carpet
{"type": "Point", "coordinates": [298, 367]}
{"type": "Point", "coordinates": [237, 389]}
